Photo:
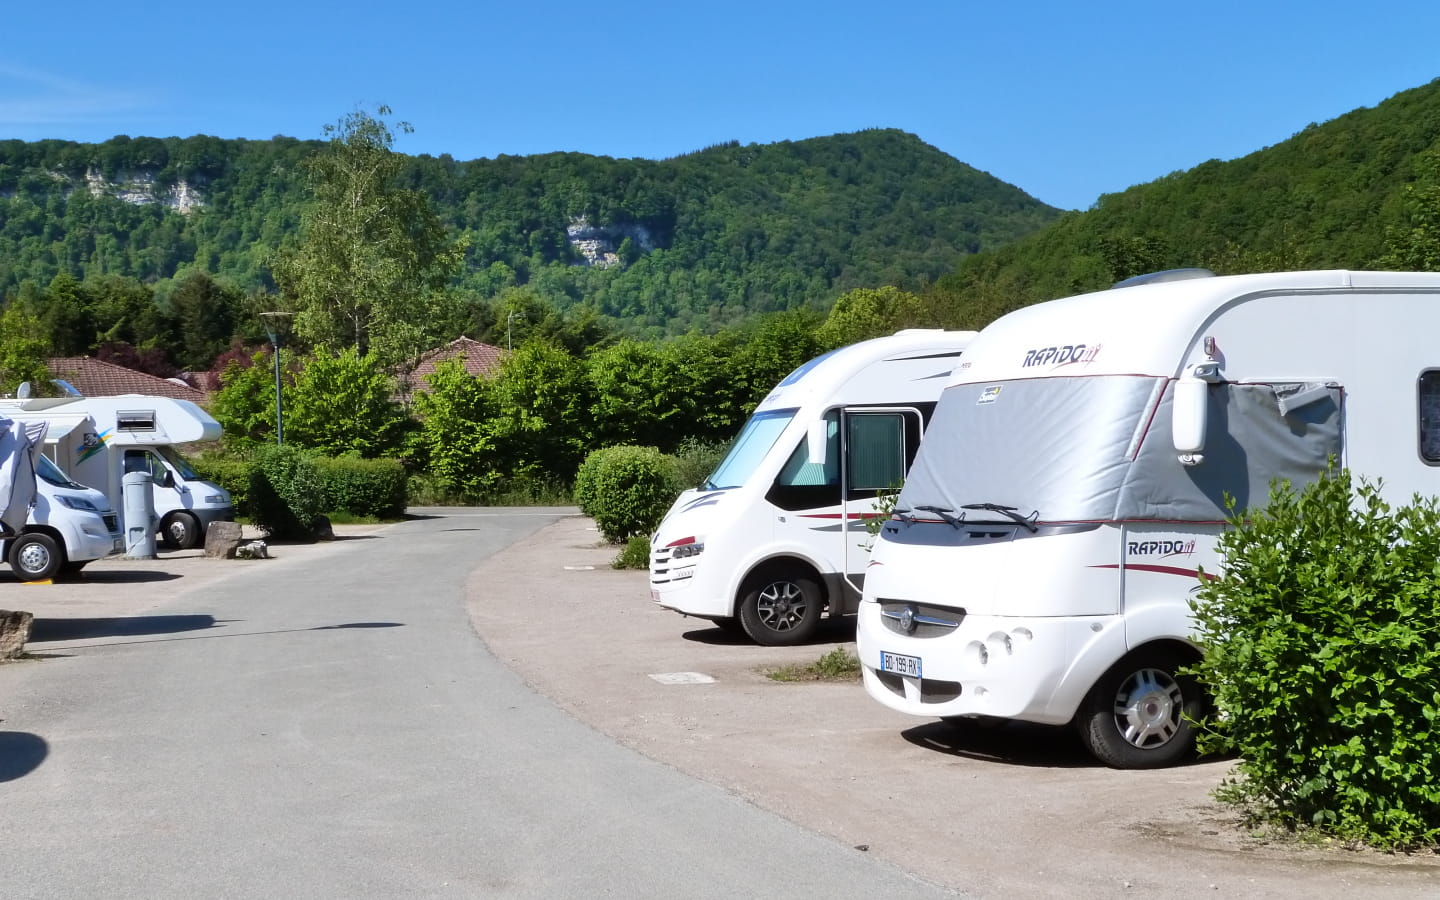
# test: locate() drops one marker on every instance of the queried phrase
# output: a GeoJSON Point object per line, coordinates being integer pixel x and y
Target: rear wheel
{"type": "Point", "coordinates": [1139, 715]}
{"type": "Point", "coordinates": [780, 607]}
{"type": "Point", "coordinates": [35, 557]}
{"type": "Point", "coordinates": [180, 531]}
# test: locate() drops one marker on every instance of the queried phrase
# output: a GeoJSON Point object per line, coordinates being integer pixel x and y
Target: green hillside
{"type": "Point", "coordinates": [1337, 195]}
{"type": "Point", "coordinates": [701, 240]}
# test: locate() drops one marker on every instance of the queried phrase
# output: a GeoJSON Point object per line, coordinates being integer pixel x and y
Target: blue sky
{"type": "Point", "coordinates": [1065, 100]}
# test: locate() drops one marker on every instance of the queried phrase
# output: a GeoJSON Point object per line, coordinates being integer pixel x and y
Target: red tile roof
{"type": "Point", "coordinates": [480, 360]}
{"type": "Point", "coordinates": [96, 378]}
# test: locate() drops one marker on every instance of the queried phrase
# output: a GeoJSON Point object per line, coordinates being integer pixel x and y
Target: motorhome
{"type": "Point", "coordinates": [1042, 556]}
{"type": "Point", "coordinates": [66, 525]}
{"type": "Point", "coordinates": [99, 439]}
{"type": "Point", "coordinates": [777, 533]}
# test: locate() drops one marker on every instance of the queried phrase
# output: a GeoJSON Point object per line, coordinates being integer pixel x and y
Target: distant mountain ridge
{"type": "Point", "coordinates": [703, 239]}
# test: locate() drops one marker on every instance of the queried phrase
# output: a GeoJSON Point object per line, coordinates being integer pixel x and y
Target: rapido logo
{"type": "Point", "coordinates": [1160, 548]}
{"type": "Point", "coordinates": [1055, 357]}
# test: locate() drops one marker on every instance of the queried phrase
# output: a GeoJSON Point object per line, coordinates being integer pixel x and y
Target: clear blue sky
{"type": "Point", "coordinates": [1065, 100]}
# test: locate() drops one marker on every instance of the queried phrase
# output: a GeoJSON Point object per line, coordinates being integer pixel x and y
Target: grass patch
{"type": "Point", "coordinates": [837, 665]}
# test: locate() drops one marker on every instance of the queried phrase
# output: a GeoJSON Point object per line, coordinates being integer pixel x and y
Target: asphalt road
{"type": "Point", "coordinates": [329, 724]}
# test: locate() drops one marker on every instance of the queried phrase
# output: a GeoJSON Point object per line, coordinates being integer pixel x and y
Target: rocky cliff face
{"type": "Point", "coordinates": [139, 187]}
{"type": "Point", "coordinates": [598, 244]}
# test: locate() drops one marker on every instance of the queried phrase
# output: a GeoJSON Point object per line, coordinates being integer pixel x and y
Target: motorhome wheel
{"type": "Point", "coordinates": [35, 557]}
{"type": "Point", "coordinates": [180, 531]}
{"type": "Point", "coordinates": [780, 607]}
{"type": "Point", "coordinates": [1139, 715]}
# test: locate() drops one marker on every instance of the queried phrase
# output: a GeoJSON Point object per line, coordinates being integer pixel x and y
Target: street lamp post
{"type": "Point", "coordinates": [276, 325]}
{"type": "Point", "coordinates": [508, 319]}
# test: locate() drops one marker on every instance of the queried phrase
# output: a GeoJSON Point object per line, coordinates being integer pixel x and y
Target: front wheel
{"type": "Point", "coordinates": [780, 608]}
{"type": "Point", "coordinates": [1140, 715]}
{"type": "Point", "coordinates": [180, 531]}
{"type": "Point", "coordinates": [35, 557]}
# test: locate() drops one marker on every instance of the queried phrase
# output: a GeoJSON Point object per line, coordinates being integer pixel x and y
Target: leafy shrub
{"type": "Point", "coordinates": [287, 497]}
{"type": "Point", "coordinates": [1322, 643]}
{"type": "Point", "coordinates": [374, 488]}
{"type": "Point", "coordinates": [631, 491]}
{"type": "Point", "coordinates": [586, 477]}
{"type": "Point", "coordinates": [696, 460]}
{"type": "Point", "coordinates": [634, 555]}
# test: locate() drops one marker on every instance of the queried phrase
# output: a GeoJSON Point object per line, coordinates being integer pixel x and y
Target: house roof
{"type": "Point", "coordinates": [97, 378]}
{"type": "Point", "coordinates": [480, 360]}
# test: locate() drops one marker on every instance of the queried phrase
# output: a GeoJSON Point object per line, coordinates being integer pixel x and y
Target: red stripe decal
{"type": "Point", "coordinates": [1163, 570]}
{"type": "Point", "coordinates": [840, 515]}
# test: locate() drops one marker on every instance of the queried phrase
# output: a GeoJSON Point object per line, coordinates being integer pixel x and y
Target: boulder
{"type": "Point", "coordinates": [14, 632]}
{"type": "Point", "coordinates": [221, 539]}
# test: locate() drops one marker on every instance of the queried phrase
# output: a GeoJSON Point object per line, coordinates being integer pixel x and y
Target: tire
{"type": "Point", "coordinates": [780, 607]}
{"type": "Point", "coordinates": [180, 531]}
{"type": "Point", "coordinates": [35, 557]}
{"type": "Point", "coordinates": [1139, 715]}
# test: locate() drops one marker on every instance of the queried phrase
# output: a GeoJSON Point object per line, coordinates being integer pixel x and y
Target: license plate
{"type": "Point", "coordinates": [654, 595]}
{"type": "Point", "coordinates": [900, 665]}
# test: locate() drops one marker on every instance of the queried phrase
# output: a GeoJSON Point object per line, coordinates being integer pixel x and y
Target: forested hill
{"type": "Point", "coordinates": [701, 240]}
{"type": "Point", "coordinates": [1360, 191]}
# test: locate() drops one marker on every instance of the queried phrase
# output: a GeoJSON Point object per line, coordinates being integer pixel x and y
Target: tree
{"type": "Point", "coordinates": [207, 312]}
{"type": "Point", "coordinates": [869, 313]}
{"type": "Point", "coordinates": [245, 404]}
{"type": "Point", "coordinates": [373, 264]}
{"type": "Point", "coordinates": [342, 403]}
{"type": "Point", "coordinates": [23, 350]}
{"type": "Point", "coordinates": [453, 441]}
{"type": "Point", "coordinates": [1417, 248]}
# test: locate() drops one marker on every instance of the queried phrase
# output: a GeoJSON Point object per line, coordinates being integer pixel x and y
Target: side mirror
{"type": "Point", "coordinates": [816, 438]}
{"type": "Point", "coordinates": [166, 480]}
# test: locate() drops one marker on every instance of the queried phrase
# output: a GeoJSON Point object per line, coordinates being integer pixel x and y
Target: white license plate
{"type": "Point", "coordinates": [900, 665]}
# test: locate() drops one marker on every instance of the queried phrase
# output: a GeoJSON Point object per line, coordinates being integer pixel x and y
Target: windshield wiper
{"type": "Point", "coordinates": [1009, 513]}
{"type": "Point", "coordinates": [946, 514]}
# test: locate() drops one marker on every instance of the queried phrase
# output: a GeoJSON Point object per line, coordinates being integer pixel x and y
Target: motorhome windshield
{"type": "Point", "coordinates": [1099, 449]}
{"type": "Point", "coordinates": [1056, 447]}
{"type": "Point", "coordinates": [754, 442]}
{"type": "Point", "coordinates": [52, 473]}
{"type": "Point", "coordinates": [178, 462]}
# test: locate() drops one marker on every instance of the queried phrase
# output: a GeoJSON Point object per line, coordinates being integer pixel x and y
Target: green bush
{"type": "Point", "coordinates": [696, 460]}
{"type": "Point", "coordinates": [287, 496]}
{"type": "Point", "coordinates": [628, 489]}
{"type": "Point", "coordinates": [1322, 652]}
{"type": "Point", "coordinates": [634, 555]}
{"type": "Point", "coordinates": [373, 488]}
{"type": "Point", "coordinates": [231, 473]}
{"type": "Point", "coordinates": [583, 491]}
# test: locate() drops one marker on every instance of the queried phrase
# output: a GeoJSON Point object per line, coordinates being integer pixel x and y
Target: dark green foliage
{"type": "Point", "coordinates": [700, 241]}
{"type": "Point", "coordinates": [287, 496]}
{"type": "Point", "coordinates": [628, 490]}
{"type": "Point", "coordinates": [587, 477]}
{"type": "Point", "coordinates": [1322, 651]}
{"type": "Point", "coordinates": [696, 459]}
{"type": "Point", "coordinates": [634, 555]}
{"type": "Point", "coordinates": [372, 488]}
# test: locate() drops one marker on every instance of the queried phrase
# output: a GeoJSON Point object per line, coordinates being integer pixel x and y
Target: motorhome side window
{"type": "Point", "coordinates": [1428, 389]}
{"type": "Point", "coordinates": [802, 484]}
{"type": "Point", "coordinates": [875, 451]}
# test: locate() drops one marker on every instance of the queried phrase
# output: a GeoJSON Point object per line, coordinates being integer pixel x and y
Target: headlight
{"type": "Point", "coordinates": [684, 551]}
{"type": "Point", "coordinates": [76, 502]}
{"type": "Point", "coordinates": [217, 499]}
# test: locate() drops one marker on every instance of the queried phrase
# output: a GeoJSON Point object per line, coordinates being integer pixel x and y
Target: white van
{"type": "Point", "coordinates": [98, 439]}
{"type": "Point", "coordinates": [69, 525]}
{"type": "Point", "coordinates": [777, 533]}
{"type": "Point", "coordinates": [1047, 542]}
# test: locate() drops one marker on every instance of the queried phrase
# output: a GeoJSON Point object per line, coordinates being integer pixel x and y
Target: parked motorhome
{"type": "Point", "coordinates": [1045, 547]}
{"type": "Point", "coordinates": [98, 439]}
{"type": "Point", "coordinates": [777, 534]}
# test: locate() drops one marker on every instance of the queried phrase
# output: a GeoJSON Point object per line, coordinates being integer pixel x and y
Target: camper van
{"type": "Point", "coordinates": [99, 439]}
{"type": "Point", "coordinates": [777, 533]}
{"type": "Point", "coordinates": [69, 526]}
{"type": "Point", "coordinates": [1041, 558]}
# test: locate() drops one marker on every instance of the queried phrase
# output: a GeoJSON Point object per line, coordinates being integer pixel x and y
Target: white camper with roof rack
{"type": "Point", "coordinates": [777, 533]}
{"type": "Point", "coordinates": [1044, 550]}
{"type": "Point", "coordinates": [98, 439]}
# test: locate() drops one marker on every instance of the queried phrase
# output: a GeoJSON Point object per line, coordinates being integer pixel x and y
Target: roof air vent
{"type": "Point", "coordinates": [1167, 275]}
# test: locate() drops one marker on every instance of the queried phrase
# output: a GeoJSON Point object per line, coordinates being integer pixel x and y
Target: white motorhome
{"type": "Point", "coordinates": [777, 533]}
{"type": "Point", "coordinates": [99, 439]}
{"type": "Point", "coordinates": [1045, 547]}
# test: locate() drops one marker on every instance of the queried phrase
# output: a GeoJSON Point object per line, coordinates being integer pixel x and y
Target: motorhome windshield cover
{"type": "Point", "coordinates": [1098, 449]}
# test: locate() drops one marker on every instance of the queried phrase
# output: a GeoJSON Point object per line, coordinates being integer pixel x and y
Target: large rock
{"type": "Point", "coordinates": [221, 539]}
{"type": "Point", "coordinates": [14, 632]}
